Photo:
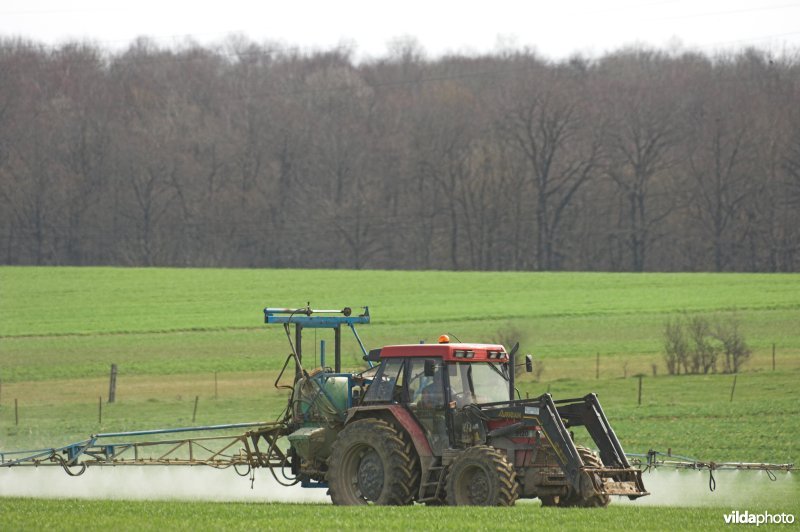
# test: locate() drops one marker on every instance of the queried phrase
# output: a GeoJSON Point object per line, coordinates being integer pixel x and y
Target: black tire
{"type": "Point", "coordinates": [482, 476]}
{"type": "Point", "coordinates": [588, 498]}
{"type": "Point", "coordinates": [372, 462]}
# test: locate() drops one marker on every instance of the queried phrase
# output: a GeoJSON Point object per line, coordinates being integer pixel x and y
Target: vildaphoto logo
{"type": "Point", "coordinates": [764, 518]}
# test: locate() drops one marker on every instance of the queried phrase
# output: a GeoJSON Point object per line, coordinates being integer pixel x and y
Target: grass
{"type": "Point", "coordinates": [69, 301]}
{"type": "Point", "coordinates": [60, 323]}
{"type": "Point", "coordinates": [33, 514]}
{"type": "Point", "coordinates": [171, 331]}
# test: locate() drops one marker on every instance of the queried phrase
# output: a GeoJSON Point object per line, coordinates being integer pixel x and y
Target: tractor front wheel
{"type": "Point", "coordinates": [482, 476]}
{"type": "Point", "coordinates": [588, 497]}
{"type": "Point", "coordinates": [371, 462]}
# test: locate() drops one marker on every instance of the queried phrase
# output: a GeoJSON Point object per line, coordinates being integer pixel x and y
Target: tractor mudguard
{"type": "Point", "coordinates": [403, 418]}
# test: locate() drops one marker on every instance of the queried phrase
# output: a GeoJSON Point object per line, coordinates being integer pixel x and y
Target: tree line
{"type": "Point", "coordinates": [248, 155]}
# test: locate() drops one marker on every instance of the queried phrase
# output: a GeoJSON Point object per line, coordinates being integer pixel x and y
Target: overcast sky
{"type": "Point", "coordinates": [556, 29]}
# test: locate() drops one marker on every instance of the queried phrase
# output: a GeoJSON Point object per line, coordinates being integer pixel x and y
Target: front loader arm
{"type": "Point", "coordinates": [616, 476]}
{"type": "Point", "coordinates": [587, 412]}
{"type": "Point", "coordinates": [557, 434]}
{"type": "Point", "coordinates": [542, 414]}
{"type": "Point", "coordinates": [554, 418]}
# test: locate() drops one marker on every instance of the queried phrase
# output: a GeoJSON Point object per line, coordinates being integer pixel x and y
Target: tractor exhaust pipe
{"type": "Point", "coordinates": [512, 372]}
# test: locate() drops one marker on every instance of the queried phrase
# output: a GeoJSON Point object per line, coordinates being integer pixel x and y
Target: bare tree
{"type": "Point", "coordinates": [551, 132]}
{"type": "Point", "coordinates": [676, 346]}
{"type": "Point", "coordinates": [719, 164]}
{"type": "Point", "coordinates": [639, 153]}
{"type": "Point", "coordinates": [702, 352]}
{"type": "Point", "coordinates": [734, 346]}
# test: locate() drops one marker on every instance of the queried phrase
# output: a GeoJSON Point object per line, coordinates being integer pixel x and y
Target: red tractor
{"type": "Point", "coordinates": [444, 424]}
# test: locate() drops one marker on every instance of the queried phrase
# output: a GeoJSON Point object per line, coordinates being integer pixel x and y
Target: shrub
{"type": "Point", "coordinates": [734, 346]}
{"type": "Point", "coordinates": [694, 344]}
{"type": "Point", "coordinates": [703, 354]}
{"type": "Point", "coordinates": [676, 347]}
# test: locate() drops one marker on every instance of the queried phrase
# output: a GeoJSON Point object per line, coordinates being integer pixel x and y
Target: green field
{"type": "Point", "coordinates": [21, 514]}
{"type": "Point", "coordinates": [73, 322]}
{"type": "Point", "coordinates": [170, 331]}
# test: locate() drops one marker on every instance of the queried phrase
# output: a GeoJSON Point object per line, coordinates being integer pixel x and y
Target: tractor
{"type": "Point", "coordinates": [442, 423]}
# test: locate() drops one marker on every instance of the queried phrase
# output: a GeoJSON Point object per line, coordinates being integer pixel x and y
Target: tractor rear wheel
{"type": "Point", "coordinates": [482, 476]}
{"type": "Point", "coordinates": [588, 497]}
{"type": "Point", "coordinates": [372, 462]}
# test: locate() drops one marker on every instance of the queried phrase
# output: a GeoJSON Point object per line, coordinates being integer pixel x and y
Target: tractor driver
{"type": "Point", "coordinates": [430, 409]}
{"type": "Point", "coordinates": [432, 395]}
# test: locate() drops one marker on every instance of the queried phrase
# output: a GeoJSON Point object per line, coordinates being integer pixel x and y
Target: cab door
{"type": "Point", "coordinates": [427, 399]}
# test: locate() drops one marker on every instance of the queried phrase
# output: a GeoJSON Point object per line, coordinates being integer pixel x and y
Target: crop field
{"type": "Point", "coordinates": [32, 514]}
{"type": "Point", "coordinates": [180, 336]}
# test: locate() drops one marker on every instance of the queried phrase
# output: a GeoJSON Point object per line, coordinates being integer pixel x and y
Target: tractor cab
{"type": "Point", "coordinates": [461, 373]}
{"type": "Point", "coordinates": [436, 381]}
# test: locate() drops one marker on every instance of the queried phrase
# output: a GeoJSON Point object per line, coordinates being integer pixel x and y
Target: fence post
{"type": "Point", "coordinates": [194, 413]}
{"type": "Point", "coordinates": [215, 386]}
{"type": "Point", "coordinates": [640, 389]}
{"type": "Point", "coordinates": [733, 388]}
{"type": "Point", "coordinates": [597, 368]}
{"type": "Point", "coordinates": [112, 384]}
{"type": "Point", "coordinates": [773, 357]}
{"type": "Point", "coordinates": [16, 413]}
{"type": "Point", "coordinates": [99, 409]}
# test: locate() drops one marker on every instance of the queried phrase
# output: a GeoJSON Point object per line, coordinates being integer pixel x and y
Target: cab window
{"type": "Point", "coordinates": [424, 389]}
{"type": "Point", "coordinates": [387, 384]}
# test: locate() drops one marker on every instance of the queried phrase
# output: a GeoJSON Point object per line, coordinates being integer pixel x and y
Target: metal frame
{"type": "Point", "coordinates": [655, 459]}
{"type": "Point", "coordinates": [214, 451]}
{"type": "Point", "coordinates": [308, 318]}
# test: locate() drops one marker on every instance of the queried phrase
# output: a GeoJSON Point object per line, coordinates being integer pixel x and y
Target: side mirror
{"type": "Point", "coordinates": [430, 368]}
{"type": "Point", "coordinates": [528, 363]}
